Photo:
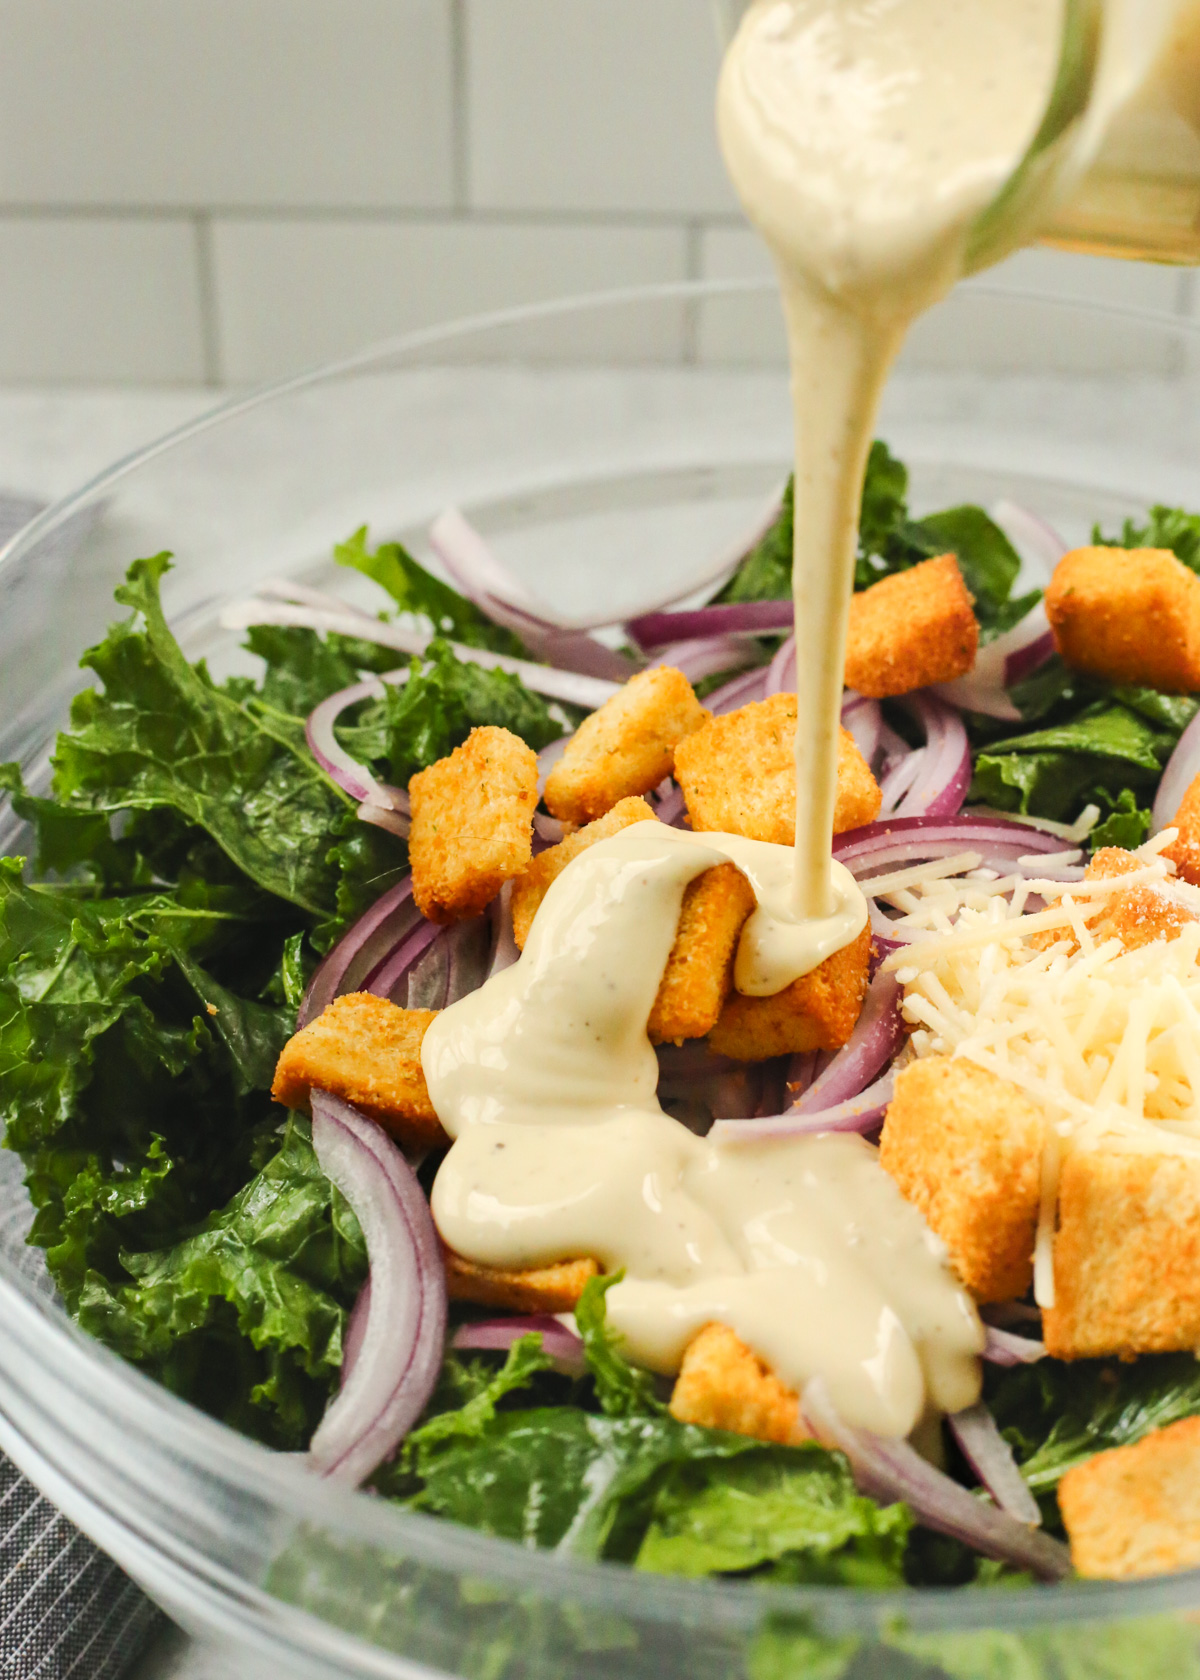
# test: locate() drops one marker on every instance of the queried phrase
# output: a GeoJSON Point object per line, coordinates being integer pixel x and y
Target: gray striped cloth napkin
{"type": "Point", "coordinates": [66, 1611]}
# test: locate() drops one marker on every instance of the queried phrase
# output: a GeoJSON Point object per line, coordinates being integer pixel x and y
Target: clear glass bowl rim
{"type": "Point", "coordinates": [222, 1456]}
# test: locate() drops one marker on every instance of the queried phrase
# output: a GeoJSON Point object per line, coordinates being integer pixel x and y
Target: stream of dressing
{"type": "Point", "coordinates": [863, 137]}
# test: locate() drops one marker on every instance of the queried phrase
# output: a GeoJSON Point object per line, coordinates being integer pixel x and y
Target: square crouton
{"type": "Point", "coordinates": [368, 1052]}
{"type": "Point", "coordinates": [817, 1012]}
{"type": "Point", "coordinates": [626, 747]}
{"type": "Point", "coordinates": [1136, 1510]}
{"type": "Point", "coordinates": [1184, 850]}
{"type": "Point", "coordinates": [1126, 1256]}
{"type": "Point", "coordinates": [533, 884]}
{"type": "Point", "coordinates": [722, 1385]}
{"type": "Point", "coordinates": [912, 629]}
{"type": "Point", "coordinates": [1139, 915]}
{"type": "Point", "coordinates": [1131, 615]}
{"type": "Point", "coordinates": [738, 775]}
{"type": "Point", "coordinates": [542, 1289]}
{"type": "Point", "coordinates": [966, 1149]}
{"type": "Point", "coordinates": [472, 823]}
{"type": "Point", "coordinates": [699, 973]}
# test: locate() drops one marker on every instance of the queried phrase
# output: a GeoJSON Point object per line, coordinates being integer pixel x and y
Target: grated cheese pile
{"type": "Point", "coordinates": [1106, 1040]}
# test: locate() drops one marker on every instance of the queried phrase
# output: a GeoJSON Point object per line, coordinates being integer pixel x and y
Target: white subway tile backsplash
{"type": "Point", "coordinates": [99, 299]}
{"type": "Point", "coordinates": [226, 102]}
{"type": "Point", "coordinates": [293, 293]}
{"type": "Point", "coordinates": [593, 105]}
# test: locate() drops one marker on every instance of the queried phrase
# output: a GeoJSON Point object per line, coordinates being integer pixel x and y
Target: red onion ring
{"type": "Point", "coordinates": [671, 806]}
{"type": "Point", "coordinates": [1034, 540]}
{"type": "Point", "coordinates": [864, 719]}
{"type": "Point", "coordinates": [399, 1355]}
{"type": "Point", "coordinates": [351, 776]}
{"type": "Point", "coordinates": [876, 1039]}
{"type": "Point", "coordinates": [739, 691]}
{"type": "Point", "coordinates": [1005, 1347]}
{"type": "Point", "coordinates": [781, 672]}
{"type": "Point", "coordinates": [876, 841]}
{"type": "Point", "coordinates": [390, 978]}
{"type": "Point", "coordinates": [893, 1470]}
{"type": "Point", "coordinates": [361, 949]}
{"type": "Point", "coordinates": [859, 1114]}
{"type": "Point", "coordinates": [1001, 663]}
{"type": "Point", "coordinates": [704, 656]}
{"type": "Point", "coordinates": [1180, 772]}
{"type": "Point", "coordinates": [736, 618]}
{"type": "Point", "coordinates": [991, 1458]}
{"type": "Point", "coordinates": [945, 773]}
{"type": "Point", "coordinates": [480, 576]}
{"type": "Point", "coordinates": [356, 1329]}
{"type": "Point", "coordinates": [497, 1335]}
{"type": "Point", "coordinates": [505, 951]}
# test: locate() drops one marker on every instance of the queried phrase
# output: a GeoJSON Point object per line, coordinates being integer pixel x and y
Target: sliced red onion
{"type": "Point", "coordinates": [300, 594]}
{"type": "Point", "coordinates": [1005, 1347]}
{"type": "Point", "coordinates": [864, 719]}
{"type": "Point", "coordinates": [480, 576]}
{"type": "Point", "coordinates": [356, 1329]}
{"type": "Point", "coordinates": [400, 1352]}
{"type": "Point", "coordinates": [877, 841]}
{"type": "Point", "coordinates": [505, 951]}
{"type": "Point", "coordinates": [893, 748]}
{"type": "Point", "coordinates": [671, 806]}
{"type": "Point", "coordinates": [570, 686]}
{"type": "Point", "coordinates": [781, 672]}
{"type": "Point", "coordinates": [860, 1114]}
{"type": "Point", "coordinates": [991, 1458]}
{"type": "Point", "coordinates": [390, 978]}
{"type": "Point", "coordinates": [547, 759]}
{"type": "Point", "coordinates": [705, 656]}
{"type": "Point", "coordinates": [336, 762]}
{"type": "Point", "coordinates": [547, 828]}
{"type": "Point", "coordinates": [469, 946]}
{"type": "Point", "coordinates": [497, 1335]}
{"type": "Point", "coordinates": [890, 1470]}
{"type": "Point", "coordinates": [876, 1039]}
{"type": "Point", "coordinates": [737, 618]}
{"type": "Point", "coordinates": [899, 779]}
{"type": "Point", "coordinates": [1180, 772]}
{"type": "Point", "coordinates": [383, 816]}
{"type": "Point", "coordinates": [361, 949]}
{"type": "Point", "coordinates": [945, 773]}
{"type": "Point", "coordinates": [740, 691]}
{"type": "Point", "coordinates": [1001, 663]}
{"type": "Point", "coordinates": [1038, 543]}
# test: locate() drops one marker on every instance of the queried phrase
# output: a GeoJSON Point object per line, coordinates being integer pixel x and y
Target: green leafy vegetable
{"type": "Point", "coordinates": [246, 1316]}
{"type": "Point", "coordinates": [621, 1389]}
{"type": "Point", "coordinates": [1056, 1415]}
{"type": "Point", "coordinates": [1166, 527]}
{"type": "Point", "coordinates": [414, 590]}
{"type": "Point", "coordinates": [792, 1507]}
{"type": "Point", "coordinates": [766, 572]}
{"type": "Point", "coordinates": [162, 734]}
{"type": "Point", "coordinates": [1052, 772]}
{"type": "Point", "coordinates": [1127, 825]}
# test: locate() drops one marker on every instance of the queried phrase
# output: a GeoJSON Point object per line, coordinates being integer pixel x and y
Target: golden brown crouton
{"type": "Point", "coordinates": [531, 887]}
{"type": "Point", "coordinates": [542, 1289]}
{"type": "Point", "coordinates": [1136, 1510]}
{"type": "Point", "coordinates": [625, 748]}
{"type": "Point", "coordinates": [722, 1385]}
{"type": "Point", "coordinates": [699, 972]}
{"type": "Point", "coordinates": [1184, 850]}
{"type": "Point", "coordinates": [368, 1052]}
{"type": "Point", "coordinates": [1139, 915]}
{"type": "Point", "coordinates": [738, 775]}
{"type": "Point", "coordinates": [966, 1148]}
{"type": "Point", "coordinates": [816, 1012]}
{"type": "Point", "coordinates": [910, 630]}
{"type": "Point", "coordinates": [472, 823]}
{"type": "Point", "coordinates": [1126, 1256]}
{"type": "Point", "coordinates": [1132, 615]}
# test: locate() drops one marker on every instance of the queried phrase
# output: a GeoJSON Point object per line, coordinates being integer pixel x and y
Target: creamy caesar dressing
{"type": "Point", "coordinates": [545, 1080]}
{"type": "Point", "coordinates": [864, 137]}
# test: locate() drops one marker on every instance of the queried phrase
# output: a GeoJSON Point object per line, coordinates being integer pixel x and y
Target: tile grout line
{"type": "Point", "coordinates": [206, 285]}
{"type": "Point", "coordinates": [394, 215]}
{"type": "Point", "coordinates": [459, 109]}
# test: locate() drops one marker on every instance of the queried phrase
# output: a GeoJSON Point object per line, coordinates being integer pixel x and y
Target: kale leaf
{"type": "Point", "coordinates": [766, 572]}
{"type": "Point", "coordinates": [621, 1389]}
{"type": "Point", "coordinates": [1165, 527]}
{"type": "Point", "coordinates": [163, 734]}
{"type": "Point", "coordinates": [245, 1317]}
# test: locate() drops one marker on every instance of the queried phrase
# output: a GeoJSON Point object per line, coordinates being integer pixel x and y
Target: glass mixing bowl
{"type": "Point", "coordinates": [607, 446]}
